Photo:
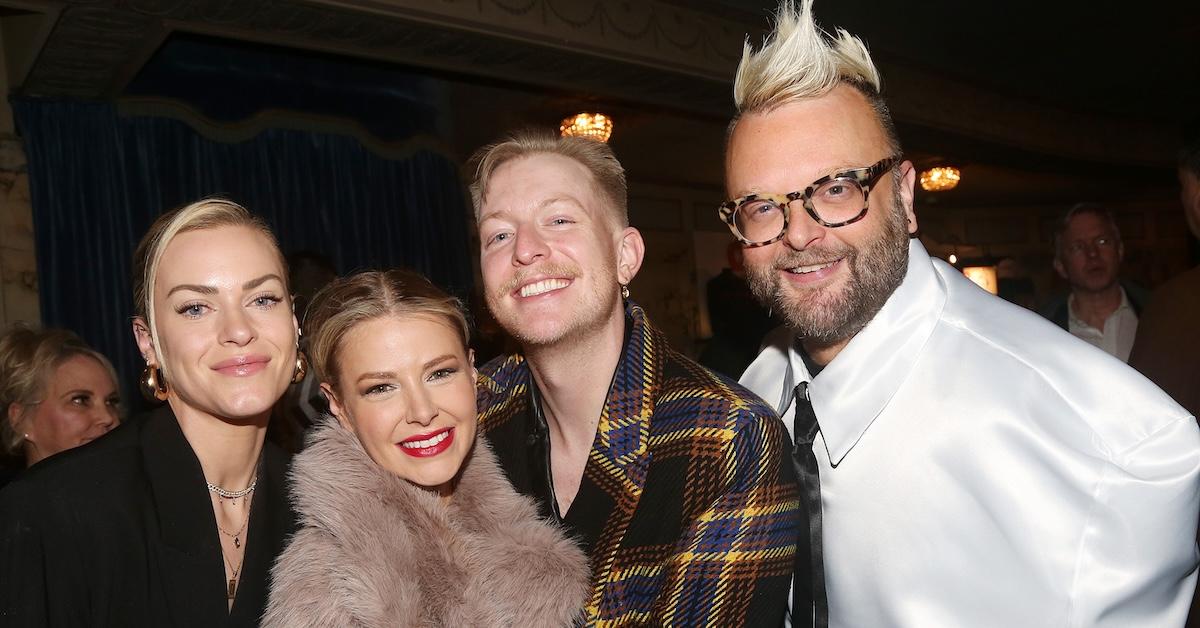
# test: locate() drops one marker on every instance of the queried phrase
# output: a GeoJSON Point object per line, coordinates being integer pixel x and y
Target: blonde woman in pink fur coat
{"type": "Point", "coordinates": [406, 518]}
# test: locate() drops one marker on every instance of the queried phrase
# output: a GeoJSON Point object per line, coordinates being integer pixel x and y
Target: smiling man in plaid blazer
{"type": "Point", "coordinates": [673, 479]}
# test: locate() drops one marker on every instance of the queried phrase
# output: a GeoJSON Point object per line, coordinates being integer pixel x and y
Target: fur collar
{"type": "Point", "coordinates": [395, 555]}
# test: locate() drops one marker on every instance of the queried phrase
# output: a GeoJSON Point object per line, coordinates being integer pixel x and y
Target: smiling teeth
{"type": "Point", "coordinates": [427, 443]}
{"type": "Point", "coordinates": [810, 269]}
{"type": "Point", "coordinates": [543, 286]}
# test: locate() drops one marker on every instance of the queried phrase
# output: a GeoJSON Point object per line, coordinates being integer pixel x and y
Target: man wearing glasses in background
{"type": "Point", "coordinates": [964, 462]}
{"type": "Point", "coordinates": [1100, 309]}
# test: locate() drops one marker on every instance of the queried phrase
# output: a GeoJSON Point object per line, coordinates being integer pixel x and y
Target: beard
{"type": "Point", "coordinates": [587, 315]}
{"type": "Point", "coordinates": [828, 316]}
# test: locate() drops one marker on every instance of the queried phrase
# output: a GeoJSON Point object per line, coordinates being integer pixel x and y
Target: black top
{"type": "Point", "coordinates": [591, 507]}
{"type": "Point", "coordinates": [121, 532]}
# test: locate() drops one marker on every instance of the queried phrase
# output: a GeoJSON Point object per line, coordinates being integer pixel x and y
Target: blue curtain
{"type": "Point", "coordinates": [99, 179]}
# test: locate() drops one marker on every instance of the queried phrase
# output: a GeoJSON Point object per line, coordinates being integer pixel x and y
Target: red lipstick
{"type": "Point", "coordinates": [427, 445]}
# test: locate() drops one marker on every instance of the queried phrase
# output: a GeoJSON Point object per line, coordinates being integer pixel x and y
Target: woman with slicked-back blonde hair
{"type": "Point", "coordinates": [175, 518]}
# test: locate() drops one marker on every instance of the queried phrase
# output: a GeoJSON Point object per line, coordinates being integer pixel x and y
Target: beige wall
{"type": "Point", "coordinates": [18, 265]}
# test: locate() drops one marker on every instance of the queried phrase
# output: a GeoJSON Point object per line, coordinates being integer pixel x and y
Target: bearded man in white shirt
{"type": "Point", "coordinates": [976, 466]}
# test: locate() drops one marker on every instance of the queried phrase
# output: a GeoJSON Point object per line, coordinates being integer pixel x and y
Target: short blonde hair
{"type": "Point", "coordinates": [366, 296]}
{"type": "Point", "coordinates": [799, 60]}
{"type": "Point", "coordinates": [28, 357]}
{"type": "Point", "coordinates": [608, 177]}
{"type": "Point", "coordinates": [208, 213]}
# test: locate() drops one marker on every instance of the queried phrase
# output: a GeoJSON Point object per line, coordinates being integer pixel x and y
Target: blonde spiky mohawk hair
{"type": "Point", "coordinates": [799, 60]}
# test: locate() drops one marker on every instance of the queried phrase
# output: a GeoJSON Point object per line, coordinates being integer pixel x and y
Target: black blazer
{"type": "Point", "coordinates": [121, 532]}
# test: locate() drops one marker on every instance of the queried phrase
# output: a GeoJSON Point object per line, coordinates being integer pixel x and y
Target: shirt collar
{"type": "Point", "coordinates": [623, 433]}
{"type": "Point", "coordinates": [855, 387]}
{"type": "Point", "coordinates": [1079, 322]}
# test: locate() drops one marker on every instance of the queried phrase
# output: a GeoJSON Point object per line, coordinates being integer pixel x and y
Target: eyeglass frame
{"type": "Point", "coordinates": [1099, 243]}
{"type": "Point", "coordinates": [866, 178]}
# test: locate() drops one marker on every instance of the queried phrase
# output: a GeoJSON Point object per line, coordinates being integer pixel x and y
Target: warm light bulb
{"type": "Point", "coordinates": [940, 179]}
{"type": "Point", "coordinates": [594, 126]}
{"type": "Point", "coordinates": [953, 259]}
{"type": "Point", "coordinates": [984, 277]}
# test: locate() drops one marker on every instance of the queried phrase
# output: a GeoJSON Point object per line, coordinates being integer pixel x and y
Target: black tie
{"type": "Point", "coordinates": [808, 594]}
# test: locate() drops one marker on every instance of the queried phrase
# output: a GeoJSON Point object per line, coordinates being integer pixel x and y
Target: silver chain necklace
{"type": "Point", "coordinates": [228, 494]}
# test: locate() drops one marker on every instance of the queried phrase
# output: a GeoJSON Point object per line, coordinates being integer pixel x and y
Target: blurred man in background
{"type": "Point", "coordinates": [1168, 344]}
{"type": "Point", "coordinates": [1100, 308]}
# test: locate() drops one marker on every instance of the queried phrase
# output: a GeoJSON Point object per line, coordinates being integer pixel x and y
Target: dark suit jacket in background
{"type": "Point", "coordinates": [121, 532]}
{"type": "Point", "coordinates": [1058, 312]}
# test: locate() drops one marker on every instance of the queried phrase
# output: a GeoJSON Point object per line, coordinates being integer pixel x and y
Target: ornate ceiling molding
{"type": "Point", "coordinates": [645, 32]}
{"type": "Point", "coordinates": [97, 46]}
{"type": "Point", "coordinates": [645, 51]}
{"type": "Point", "coordinates": [917, 97]}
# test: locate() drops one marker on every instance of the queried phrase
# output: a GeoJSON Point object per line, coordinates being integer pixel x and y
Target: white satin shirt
{"type": "Point", "coordinates": [982, 467]}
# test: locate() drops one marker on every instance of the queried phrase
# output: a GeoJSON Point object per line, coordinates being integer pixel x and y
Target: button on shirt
{"type": "Point", "coordinates": [979, 468]}
{"type": "Point", "coordinates": [1120, 327]}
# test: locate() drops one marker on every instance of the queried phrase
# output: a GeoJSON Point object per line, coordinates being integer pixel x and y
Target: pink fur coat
{"type": "Point", "coordinates": [375, 551]}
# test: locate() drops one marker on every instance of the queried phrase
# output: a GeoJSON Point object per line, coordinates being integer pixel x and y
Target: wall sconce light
{"type": "Point", "coordinates": [940, 179]}
{"type": "Point", "coordinates": [593, 126]}
{"type": "Point", "coordinates": [983, 276]}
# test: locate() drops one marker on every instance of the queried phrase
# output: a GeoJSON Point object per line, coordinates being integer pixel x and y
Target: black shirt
{"type": "Point", "coordinates": [121, 532]}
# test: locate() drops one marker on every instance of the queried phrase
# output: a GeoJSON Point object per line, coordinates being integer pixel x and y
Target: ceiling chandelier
{"type": "Point", "coordinates": [593, 126]}
{"type": "Point", "coordinates": [940, 179]}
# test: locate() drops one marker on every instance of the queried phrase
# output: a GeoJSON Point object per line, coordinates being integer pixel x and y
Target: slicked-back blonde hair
{"type": "Point", "coordinates": [608, 177]}
{"type": "Point", "coordinates": [799, 61]}
{"type": "Point", "coordinates": [208, 213]}
{"type": "Point", "coordinates": [28, 357]}
{"type": "Point", "coordinates": [366, 296]}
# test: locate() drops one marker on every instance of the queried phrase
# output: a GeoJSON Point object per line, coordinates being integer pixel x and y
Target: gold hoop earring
{"type": "Point", "coordinates": [301, 367]}
{"type": "Point", "coordinates": [153, 384]}
{"type": "Point", "coordinates": [624, 291]}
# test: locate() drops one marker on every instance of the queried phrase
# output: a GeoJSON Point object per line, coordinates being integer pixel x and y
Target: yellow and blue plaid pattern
{"type": "Point", "coordinates": [697, 512]}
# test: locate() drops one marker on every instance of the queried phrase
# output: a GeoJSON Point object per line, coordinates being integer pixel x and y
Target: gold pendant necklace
{"type": "Point", "coordinates": [236, 536]}
{"type": "Point", "coordinates": [231, 588]}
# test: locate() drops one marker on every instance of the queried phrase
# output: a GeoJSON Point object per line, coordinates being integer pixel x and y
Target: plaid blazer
{"type": "Point", "coordinates": [688, 507]}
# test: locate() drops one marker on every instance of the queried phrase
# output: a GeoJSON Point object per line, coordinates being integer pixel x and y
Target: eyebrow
{"type": "Point", "coordinates": [193, 288]}
{"type": "Point", "coordinates": [249, 285]}
{"type": "Point", "coordinates": [542, 205]}
{"type": "Point", "coordinates": [392, 375]}
{"type": "Point", "coordinates": [376, 375]}
{"type": "Point", "coordinates": [254, 283]}
{"type": "Point", "coordinates": [440, 358]}
{"type": "Point", "coordinates": [828, 171]}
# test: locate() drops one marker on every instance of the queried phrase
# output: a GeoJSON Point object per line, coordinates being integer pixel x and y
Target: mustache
{"type": "Point", "coordinates": [552, 269]}
{"type": "Point", "coordinates": [790, 258]}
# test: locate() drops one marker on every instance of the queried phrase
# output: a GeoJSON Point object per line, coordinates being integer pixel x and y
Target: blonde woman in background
{"type": "Point", "coordinates": [174, 519]}
{"type": "Point", "coordinates": [56, 392]}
